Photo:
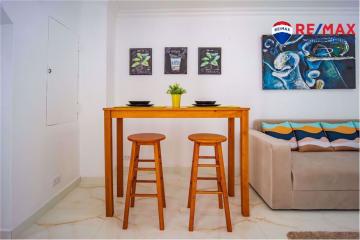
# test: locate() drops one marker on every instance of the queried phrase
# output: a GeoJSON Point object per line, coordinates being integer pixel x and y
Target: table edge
{"type": "Point", "coordinates": [224, 108]}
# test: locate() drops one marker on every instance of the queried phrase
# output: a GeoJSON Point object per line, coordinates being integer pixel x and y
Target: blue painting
{"type": "Point", "coordinates": [309, 62]}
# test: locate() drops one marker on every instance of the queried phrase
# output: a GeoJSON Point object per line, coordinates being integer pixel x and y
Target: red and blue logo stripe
{"type": "Point", "coordinates": [282, 31]}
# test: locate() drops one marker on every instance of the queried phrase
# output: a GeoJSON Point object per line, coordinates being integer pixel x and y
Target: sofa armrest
{"type": "Point", "coordinates": [270, 169]}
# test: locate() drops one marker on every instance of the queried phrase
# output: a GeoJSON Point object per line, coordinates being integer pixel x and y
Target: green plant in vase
{"type": "Point", "coordinates": [176, 91]}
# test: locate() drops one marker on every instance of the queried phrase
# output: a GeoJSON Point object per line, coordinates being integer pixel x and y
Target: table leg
{"type": "Point", "coordinates": [119, 157]}
{"type": "Point", "coordinates": [109, 198]}
{"type": "Point", "coordinates": [244, 163]}
{"type": "Point", "coordinates": [231, 154]}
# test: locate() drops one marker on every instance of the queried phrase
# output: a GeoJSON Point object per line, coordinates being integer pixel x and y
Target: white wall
{"type": "Point", "coordinates": [5, 166]}
{"type": "Point", "coordinates": [92, 86]}
{"type": "Point", "coordinates": [6, 119]}
{"type": "Point", "coordinates": [38, 153]}
{"type": "Point", "coordinates": [239, 35]}
{"type": "Point", "coordinates": [97, 44]}
{"type": "Point", "coordinates": [111, 44]}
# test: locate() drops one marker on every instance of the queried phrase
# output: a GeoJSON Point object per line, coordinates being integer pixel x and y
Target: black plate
{"type": "Point", "coordinates": [205, 102]}
{"type": "Point", "coordinates": [139, 105]}
{"type": "Point", "coordinates": [206, 105]}
{"type": "Point", "coordinates": [139, 102]}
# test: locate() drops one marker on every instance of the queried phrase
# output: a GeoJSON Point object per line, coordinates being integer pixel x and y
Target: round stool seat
{"type": "Point", "coordinates": [146, 137]}
{"type": "Point", "coordinates": [207, 138]}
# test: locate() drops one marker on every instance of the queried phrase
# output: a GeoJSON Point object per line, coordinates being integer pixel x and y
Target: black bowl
{"type": "Point", "coordinates": [205, 102]}
{"type": "Point", "coordinates": [139, 102]}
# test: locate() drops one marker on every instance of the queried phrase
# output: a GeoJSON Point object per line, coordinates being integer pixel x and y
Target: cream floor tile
{"type": "Point", "coordinates": [348, 220]}
{"type": "Point", "coordinates": [276, 223]}
{"type": "Point", "coordinates": [81, 214]}
{"type": "Point", "coordinates": [35, 232]}
{"type": "Point", "coordinates": [78, 229]}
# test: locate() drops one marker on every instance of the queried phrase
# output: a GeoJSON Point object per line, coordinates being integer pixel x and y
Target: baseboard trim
{"type": "Point", "coordinates": [50, 204]}
{"type": "Point", "coordinates": [5, 234]}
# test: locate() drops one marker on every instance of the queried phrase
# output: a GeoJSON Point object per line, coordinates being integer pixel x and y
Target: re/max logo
{"type": "Point", "coordinates": [331, 28]}
{"type": "Point", "coordinates": [277, 29]}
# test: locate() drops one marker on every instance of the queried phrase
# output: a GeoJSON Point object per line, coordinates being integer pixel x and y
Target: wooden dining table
{"type": "Point", "coordinates": [229, 112]}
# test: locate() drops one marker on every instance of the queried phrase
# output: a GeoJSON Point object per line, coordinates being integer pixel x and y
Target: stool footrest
{"type": "Point", "coordinates": [146, 160]}
{"type": "Point", "coordinates": [144, 195]}
{"type": "Point", "coordinates": [146, 181]}
{"type": "Point", "coordinates": [207, 178]}
{"type": "Point", "coordinates": [208, 192]}
{"type": "Point", "coordinates": [207, 157]}
{"type": "Point", "coordinates": [145, 169]}
{"type": "Point", "coordinates": [208, 165]}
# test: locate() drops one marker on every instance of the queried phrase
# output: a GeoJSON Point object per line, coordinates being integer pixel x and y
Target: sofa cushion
{"type": "Point", "coordinates": [282, 131]}
{"type": "Point", "coordinates": [356, 124]}
{"type": "Point", "coordinates": [325, 170]}
{"type": "Point", "coordinates": [311, 137]}
{"type": "Point", "coordinates": [342, 136]}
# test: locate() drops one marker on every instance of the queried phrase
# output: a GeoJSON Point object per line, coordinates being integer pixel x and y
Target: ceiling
{"type": "Point", "coordinates": [234, 5]}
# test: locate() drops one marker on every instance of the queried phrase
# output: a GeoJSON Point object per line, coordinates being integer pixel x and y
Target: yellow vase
{"type": "Point", "coordinates": [176, 98]}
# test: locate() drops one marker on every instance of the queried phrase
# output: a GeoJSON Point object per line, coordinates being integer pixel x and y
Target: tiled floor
{"type": "Point", "coordinates": [81, 214]}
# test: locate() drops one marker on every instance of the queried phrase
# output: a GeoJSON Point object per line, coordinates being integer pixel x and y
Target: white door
{"type": "Point", "coordinates": [63, 69]}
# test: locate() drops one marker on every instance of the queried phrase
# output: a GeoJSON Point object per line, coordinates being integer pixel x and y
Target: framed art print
{"type": "Point", "coordinates": [140, 61]}
{"type": "Point", "coordinates": [309, 62]}
{"type": "Point", "coordinates": [209, 60]}
{"type": "Point", "coordinates": [175, 60]}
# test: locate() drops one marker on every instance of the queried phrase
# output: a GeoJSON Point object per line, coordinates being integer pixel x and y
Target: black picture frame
{"type": "Point", "coordinates": [209, 60]}
{"type": "Point", "coordinates": [175, 60]}
{"type": "Point", "coordinates": [140, 61]}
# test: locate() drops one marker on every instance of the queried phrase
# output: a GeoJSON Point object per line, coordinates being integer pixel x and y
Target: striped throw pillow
{"type": "Point", "coordinates": [311, 137]}
{"type": "Point", "coordinates": [356, 124]}
{"type": "Point", "coordinates": [341, 135]}
{"type": "Point", "coordinates": [281, 131]}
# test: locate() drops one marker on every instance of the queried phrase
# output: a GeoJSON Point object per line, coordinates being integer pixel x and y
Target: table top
{"type": "Point", "coordinates": [169, 108]}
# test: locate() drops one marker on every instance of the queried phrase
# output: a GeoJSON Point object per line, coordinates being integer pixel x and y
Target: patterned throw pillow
{"type": "Point", "coordinates": [341, 135]}
{"type": "Point", "coordinates": [356, 124]}
{"type": "Point", "coordinates": [311, 137]}
{"type": "Point", "coordinates": [281, 131]}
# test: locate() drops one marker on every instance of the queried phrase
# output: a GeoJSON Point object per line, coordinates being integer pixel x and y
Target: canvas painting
{"type": "Point", "coordinates": [309, 62]}
{"type": "Point", "coordinates": [209, 61]}
{"type": "Point", "coordinates": [140, 61]}
{"type": "Point", "coordinates": [175, 60]}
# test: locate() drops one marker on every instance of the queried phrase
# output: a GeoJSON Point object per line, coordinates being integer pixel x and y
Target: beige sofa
{"type": "Point", "coordinates": [288, 179]}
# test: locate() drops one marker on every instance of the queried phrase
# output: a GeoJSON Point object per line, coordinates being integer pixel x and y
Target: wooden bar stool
{"type": "Point", "coordinates": [137, 141]}
{"type": "Point", "coordinates": [208, 139]}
